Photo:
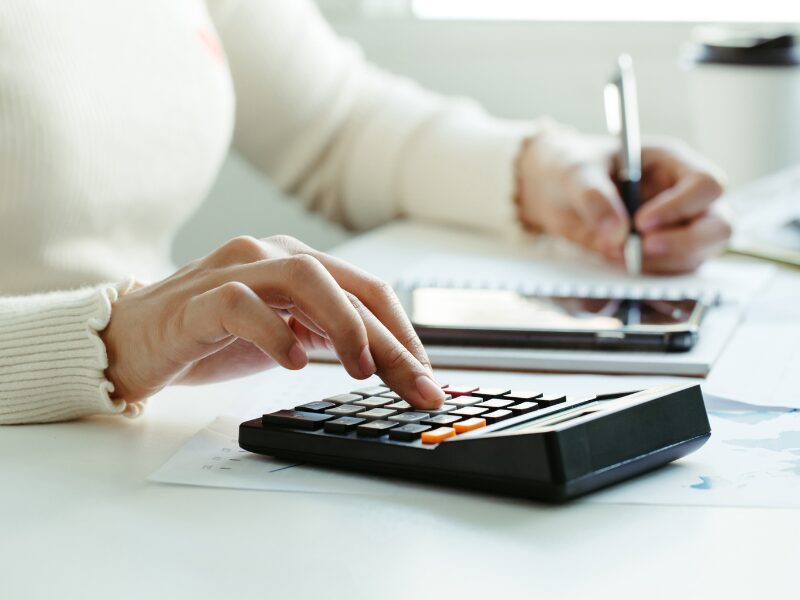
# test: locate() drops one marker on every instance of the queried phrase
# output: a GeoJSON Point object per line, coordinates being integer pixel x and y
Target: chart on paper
{"type": "Point", "coordinates": [751, 459]}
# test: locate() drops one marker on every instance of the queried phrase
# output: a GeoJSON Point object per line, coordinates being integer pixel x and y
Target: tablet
{"type": "Point", "coordinates": [498, 317]}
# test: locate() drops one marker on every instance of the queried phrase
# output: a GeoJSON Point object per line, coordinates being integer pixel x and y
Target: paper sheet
{"type": "Point", "coordinates": [766, 217]}
{"type": "Point", "coordinates": [751, 459]}
{"type": "Point", "coordinates": [212, 458]}
{"type": "Point", "coordinates": [760, 365]}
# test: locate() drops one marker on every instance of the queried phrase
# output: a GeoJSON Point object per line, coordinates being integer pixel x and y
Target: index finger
{"type": "Point", "coordinates": [312, 289]}
{"type": "Point", "coordinates": [397, 366]}
{"type": "Point", "coordinates": [376, 295]}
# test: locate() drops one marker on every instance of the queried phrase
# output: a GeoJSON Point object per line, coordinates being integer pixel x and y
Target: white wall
{"type": "Point", "coordinates": [515, 69]}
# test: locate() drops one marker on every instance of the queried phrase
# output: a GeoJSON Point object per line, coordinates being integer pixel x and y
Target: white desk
{"type": "Point", "coordinates": [80, 520]}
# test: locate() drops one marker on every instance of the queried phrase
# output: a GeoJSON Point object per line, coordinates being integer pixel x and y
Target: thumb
{"type": "Point", "coordinates": [596, 199]}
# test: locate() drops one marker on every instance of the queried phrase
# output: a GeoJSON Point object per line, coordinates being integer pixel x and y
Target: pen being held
{"type": "Point", "coordinates": [622, 116]}
{"type": "Point", "coordinates": [568, 186]}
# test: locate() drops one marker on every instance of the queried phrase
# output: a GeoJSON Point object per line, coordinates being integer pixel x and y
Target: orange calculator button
{"type": "Point", "coordinates": [469, 425]}
{"type": "Point", "coordinates": [438, 435]}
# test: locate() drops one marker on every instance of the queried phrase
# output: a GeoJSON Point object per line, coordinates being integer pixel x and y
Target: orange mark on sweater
{"type": "Point", "coordinates": [212, 44]}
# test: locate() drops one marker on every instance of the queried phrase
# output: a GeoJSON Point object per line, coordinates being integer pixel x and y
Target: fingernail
{"type": "Point", "coordinates": [655, 246]}
{"type": "Point", "coordinates": [429, 390]}
{"type": "Point", "coordinates": [297, 356]}
{"type": "Point", "coordinates": [366, 362]}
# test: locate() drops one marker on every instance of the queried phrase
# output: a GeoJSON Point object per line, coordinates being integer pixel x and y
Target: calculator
{"type": "Point", "coordinates": [516, 442]}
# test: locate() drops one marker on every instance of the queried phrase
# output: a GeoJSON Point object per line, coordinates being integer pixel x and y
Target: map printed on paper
{"type": "Point", "coordinates": [751, 459]}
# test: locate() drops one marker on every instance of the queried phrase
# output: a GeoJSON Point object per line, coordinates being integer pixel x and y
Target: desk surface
{"type": "Point", "coordinates": [79, 519]}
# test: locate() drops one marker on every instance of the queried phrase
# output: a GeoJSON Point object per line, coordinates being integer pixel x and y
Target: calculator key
{"type": "Point", "coordinates": [401, 406]}
{"type": "Point", "coordinates": [459, 390]}
{"type": "Point", "coordinates": [346, 410]}
{"type": "Point", "coordinates": [523, 407]}
{"type": "Point", "coordinates": [438, 435]}
{"type": "Point", "coordinates": [373, 402]}
{"type": "Point", "coordinates": [390, 394]}
{"type": "Point", "coordinates": [496, 403]}
{"type": "Point", "coordinates": [522, 395]}
{"type": "Point", "coordinates": [409, 417]}
{"type": "Point", "coordinates": [343, 398]}
{"type": "Point", "coordinates": [497, 415]}
{"type": "Point", "coordinates": [366, 392]}
{"type": "Point", "coordinates": [375, 428]}
{"type": "Point", "coordinates": [469, 424]}
{"type": "Point", "coordinates": [407, 433]}
{"type": "Point", "coordinates": [491, 392]}
{"type": "Point", "coordinates": [343, 424]}
{"type": "Point", "coordinates": [441, 420]}
{"type": "Point", "coordinates": [296, 419]}
{"type": "Point", "coordinates": [461, 401]}
{"type": "Point", "coordinates": [377, 413]}
{"type": "Point", "coordinates": [549, 399]}
{"type": "Point", "coordinates": [469, 411]}
{"type": "Point", "coordinates": [444, 408]}
{"type": "Point", "coordinates": [321, 406]}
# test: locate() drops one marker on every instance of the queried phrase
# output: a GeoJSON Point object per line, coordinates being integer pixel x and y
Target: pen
{"type": "Point", "coordinates": [622, 116]}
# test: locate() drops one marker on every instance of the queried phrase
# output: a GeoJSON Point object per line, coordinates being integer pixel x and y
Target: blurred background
{"type": "Point", "coordinates": [527, 58]}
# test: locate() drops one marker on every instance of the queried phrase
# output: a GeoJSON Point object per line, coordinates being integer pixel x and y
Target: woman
{"type": "Point", "coordinates": [114, 119]}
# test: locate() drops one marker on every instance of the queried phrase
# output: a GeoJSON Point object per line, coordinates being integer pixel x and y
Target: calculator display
{"type": "Point", "coordinates": [504, 309]}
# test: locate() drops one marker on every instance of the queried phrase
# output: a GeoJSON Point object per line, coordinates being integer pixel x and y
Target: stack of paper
{"type": "Point", "coordinates": [461, 257]}
{"type": "Point", "coordinates": [768, 217]}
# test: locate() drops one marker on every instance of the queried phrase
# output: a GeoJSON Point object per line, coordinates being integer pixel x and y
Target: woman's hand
{"type": "Point", "coordinates": [567, 188]}
{"type": "Point", "coordinates": [253, 303]}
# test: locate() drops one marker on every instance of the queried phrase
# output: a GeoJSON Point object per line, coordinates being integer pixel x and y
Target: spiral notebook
{"type": "Point", "coordinates": [412, 254]}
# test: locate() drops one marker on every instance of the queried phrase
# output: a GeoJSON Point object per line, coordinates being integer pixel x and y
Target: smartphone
{"type": "Point", "coordinates": [503, 318]}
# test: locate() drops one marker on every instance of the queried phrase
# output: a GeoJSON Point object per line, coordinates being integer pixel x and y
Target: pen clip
{"type": "Point", "coordinates": [613, 109]}
{"type": "Point", "coordinates": [630, 136]}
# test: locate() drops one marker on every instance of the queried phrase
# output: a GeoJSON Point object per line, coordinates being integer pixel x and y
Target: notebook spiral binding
{"type": "Point", "coordinates": [580, 290]}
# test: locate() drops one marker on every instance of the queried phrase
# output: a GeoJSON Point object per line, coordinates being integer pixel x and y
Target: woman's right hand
{"type": "Point", "coordinates": [253, 303]}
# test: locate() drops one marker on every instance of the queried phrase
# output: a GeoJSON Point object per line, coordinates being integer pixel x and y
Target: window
{"type": "Point", "coordinates": [769, 11]}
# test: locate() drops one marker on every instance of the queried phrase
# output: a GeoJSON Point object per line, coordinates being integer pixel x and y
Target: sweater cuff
{"type": "Point", "coordinates": [460, 169]}
{"type": "Point", "coordinates": [52, 360]}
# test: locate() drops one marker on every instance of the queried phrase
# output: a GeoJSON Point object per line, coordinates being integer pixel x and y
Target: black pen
{"type": "Point", "coordinates": [622, 116]}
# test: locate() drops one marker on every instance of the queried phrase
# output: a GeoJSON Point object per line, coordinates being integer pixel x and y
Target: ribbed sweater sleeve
{"type": "Point", "coordinates": [353, 141]}
{"type": "Point", "coordinates": [52, 360]}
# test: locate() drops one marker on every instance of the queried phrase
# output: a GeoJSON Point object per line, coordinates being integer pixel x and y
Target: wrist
{"type": "Point", "coordinates": [113, 337]}
{"type": "Point", "coordinates": [533, 170]}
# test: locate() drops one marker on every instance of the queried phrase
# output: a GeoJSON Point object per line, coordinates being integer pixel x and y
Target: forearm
{"type": "Point", "coordinates": [359, 144]}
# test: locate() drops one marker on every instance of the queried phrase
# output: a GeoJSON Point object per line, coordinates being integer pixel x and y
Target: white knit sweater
{"type": "Point", "coordinates": [115, 116]}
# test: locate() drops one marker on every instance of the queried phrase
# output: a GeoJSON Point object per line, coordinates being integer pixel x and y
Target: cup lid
{"type": "Point", "coordinates": [740, 48]}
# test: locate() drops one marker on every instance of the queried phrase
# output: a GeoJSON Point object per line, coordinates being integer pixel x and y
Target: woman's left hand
{"type": "Point", "coordinates": [566, 187]}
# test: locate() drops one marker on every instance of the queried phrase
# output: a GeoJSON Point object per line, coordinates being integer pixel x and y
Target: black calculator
{"type": "Point", "coordinates": [518, 442]}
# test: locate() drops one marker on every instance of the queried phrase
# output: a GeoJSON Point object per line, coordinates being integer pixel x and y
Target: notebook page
{"type": "Point", "coordinates": [733, 280]}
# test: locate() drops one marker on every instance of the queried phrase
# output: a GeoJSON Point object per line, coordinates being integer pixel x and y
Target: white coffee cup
{"type": "Point", "coordinates": [745, 101]}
